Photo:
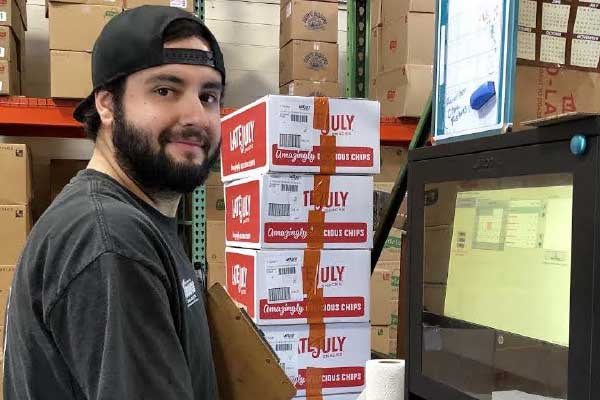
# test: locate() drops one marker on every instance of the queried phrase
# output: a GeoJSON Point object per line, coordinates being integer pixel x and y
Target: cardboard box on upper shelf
{"type": "Point", "coordinates": [376, 52]}
{"type": "Point", "coordinates": [15, 224]}
{"type": "Point", "coordinates": [376, 13]}
{"type": "Point", "coordinates": [408, 40]}
{"type": "Point", "coordinates": [404, 92]}
{"type": "Point", "coordinates": [308, 20]}
{"type": "Point", "coordinates": [70, 74]}
{"type": "Point", "coordinates": [13, 13]}
{"type": "Point", "coordinates": [10, 78]}
{"type": "Point", "coordinates": [311, 89]}
{"type": "Point", "coordinates": [187, 5]}
{"type": "Point", "coordinates": [392, 9]}
{"type": "Point", "coordinates": [112, 3]}
{"type": "Point", "coordinates": [15, 164]}
{"type": "Point", "coordinates": [278, 211]}
{"type": "Point", "coordinates": [273, 285]}
{"type": "Point", "coordinates": [281, 134]}
{"type": "Point", "coordinates": [308, 61]}
{"type": "Point", "coordinates": [9, 49]}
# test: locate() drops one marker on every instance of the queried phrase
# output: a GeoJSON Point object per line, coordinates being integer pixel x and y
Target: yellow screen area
{"type": "Point", "coordinates": [510, 261]}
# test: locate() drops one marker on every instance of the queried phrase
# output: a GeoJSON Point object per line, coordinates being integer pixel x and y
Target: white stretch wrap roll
{"type": "Point", "coordinates": [385, 380]}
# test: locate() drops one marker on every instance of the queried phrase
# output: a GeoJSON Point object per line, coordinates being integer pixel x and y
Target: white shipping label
{"type": "Point", "coordinates": [1, 86]}
{"type": "Point", "coordinates": [179, 3]}
{"type": "Point", "coordinates": [285, 345]}
{"type": "Point", "coordinates": [1, 52]}
{"type": "Point", "coordinates": [2, 16]}
{"type": "Point", "coordinates": [284, 278]}
{"type": "Point", "coordinates": [284, 198]}
{"type": "Point", "coordinates": [295, 126]}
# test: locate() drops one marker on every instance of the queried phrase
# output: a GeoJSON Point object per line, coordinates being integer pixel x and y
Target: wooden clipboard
{"type": "Point", "coordinates": [247, 368]}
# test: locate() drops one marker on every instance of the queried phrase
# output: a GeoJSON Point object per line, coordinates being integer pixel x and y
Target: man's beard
{"type": "Point", "coordinates": [154, 170]}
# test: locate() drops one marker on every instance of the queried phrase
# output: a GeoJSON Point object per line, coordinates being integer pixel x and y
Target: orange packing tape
{"type": "Point", "coordinates": [314, 383]}
{"type": "Point", "coordinates": [316, 217]}
{"type": "Point", "coordinates": [327, 142]}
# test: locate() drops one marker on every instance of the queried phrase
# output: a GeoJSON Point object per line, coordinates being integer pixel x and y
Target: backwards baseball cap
{"type": "Point", "coordinates": [133, 41]}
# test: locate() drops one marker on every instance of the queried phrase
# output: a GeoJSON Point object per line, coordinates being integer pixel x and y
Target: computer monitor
{"type": "Point", "coordinates": [503, 237]}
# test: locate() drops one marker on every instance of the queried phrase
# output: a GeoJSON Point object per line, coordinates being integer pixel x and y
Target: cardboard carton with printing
{"type": "Point", "coordinates": [273, 285]}
{"type": "Point", "coordinates": [70, 74]}
{"type": "Point", "coordinates": [282, 134]}
{"type": "Point", "coordinates": [12, 14]}
{"type": "Point", "coordinates": [8, 45]}
{"type": "Point", "coordinates": [392, 9]}
{"type": "Point", "coordinates": [300, 211]}
{"type": "Point", "coordinates": [309, 61]}
{"type": "Point", "coordinates": [308, 20]}
{"type": "Point", "coordinates": [187, 5]}
{"type": "Point", "coordinates": [215, 241]}
{"type": "Point", "coordinates": [404, 92]}
{"type": "Point", "coordinates": [408, 40]}
{"type": "Point", "coordinates": [112, 3]}
{"type": "Point", "coordinates": [10, 82]}
{"type": "Point", "coordinates": [15, 223]}
{"type": "Point", "coordinates": [311, 89]}
{"type": "Point", "coordinates": [384, 340]}
{"type": "Point", "coordinates": [385, 286]}
{"type": "Point", "coordinates": [15, 166]}
{"type": "Point", "coordinates": [340, 356]}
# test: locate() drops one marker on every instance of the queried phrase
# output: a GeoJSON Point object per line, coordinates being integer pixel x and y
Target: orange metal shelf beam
{"type": "Point", "coordinates": [24, 116]}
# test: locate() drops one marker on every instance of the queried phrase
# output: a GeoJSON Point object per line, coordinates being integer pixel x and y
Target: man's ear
{"type": "Point", "coordinates": [105, 106]}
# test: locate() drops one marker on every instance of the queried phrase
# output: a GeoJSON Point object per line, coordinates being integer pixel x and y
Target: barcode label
{"type": "Point", "coordinates": [287, 271]}
{"type": "Point", "coordinates": [279, 210]}
{"type": "Point", "coordinates": [1, 52]}
{"type": "Point", "coordinates": [286, 187]}
{"type": "Point", "coordinates": [287, 140]}
{"type": "Point", "coordinates": [299, 118]}
{"type": "Point", "coordinates": [279, 294]}
{"type": "Point", "coordinates": [2, 16]}
{"type": "Point", "coordinates": [284, 347]}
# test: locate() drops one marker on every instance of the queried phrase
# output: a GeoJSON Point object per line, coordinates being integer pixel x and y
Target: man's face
{"type": "Point", "coordinates": [167, 130]}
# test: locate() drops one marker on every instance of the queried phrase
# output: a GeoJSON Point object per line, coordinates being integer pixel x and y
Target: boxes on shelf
{"type": "Point", "coordinates": [11, 15]}
{"type": "Point", "coordinates": [384, 339]}
{"type": "Point", "coordinates": [216, 274]}
{"type": "Point", "coordinates": [215, 241]}
{"type": "Point", "coordinates": [10, 79]}
{"type": "Point", "coordinates": [215, 203]}
{"type": "Point", "coordinates": [340, 359]}
{"type": "Point", "coordinates": [75, 27]}
{"type": "Point", "coordinates": [308, 61]}
{"type": "Point", "coordinates": [385, 288]}
{"type": "Point", "coordinates": [7, 273]}
{"type": "Point", "coordinates": [61, 173]}
{"type": "Point", "coordinates": [393, 159]}
{"type": "Point", "coordinates": [392, 9]}
{"type": "Point", "coordinates": [274, 285]}
{"type": "Point", "coordinates": [113, 3]}
{"type": "Point", "coordinates": [15, 167]}
{"type": "Point", "coordinates": [404, 92]}
{"type": "Point", "coordinates": [277, 211]}
{"type": "Point", "coordinates": [376, 52]}
{"type": "Point", "coordinates": [281, 134]}
{"type": "Point", "coordinates": [311, 89]}
{"type": "Point", "coordinates": [392, 249]}
{"type": "Point", "coordinates": [408, 40]}
{"type": "Point", "coordinates": [15, 223]}
{"type": "Point", "coordinates": [376, 13]}
{"type": "Point", "coordinates": [70, 74]}
{"type": "Point", "coordinates": [308, 20]}
{"type": "Point", "coordinates": [9, 50]}
{"type": "Point", "coordinates": [187, 5]}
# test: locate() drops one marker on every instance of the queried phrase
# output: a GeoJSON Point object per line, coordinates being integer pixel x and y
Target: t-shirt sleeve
{"type": "Point", "coordinates": [115, 330]}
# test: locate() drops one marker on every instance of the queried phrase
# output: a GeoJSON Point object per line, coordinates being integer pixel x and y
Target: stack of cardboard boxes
{"type": "Point", "coordinates": [308, 59]}
{"type": "Point", "coordinates": [15, 221]}
{"type": "Point", "coordinates": [401, 55]}
{"type": "Point", "coordinates": [289, 211]}
{"type": "Point", "coordinates": [73, 28]}
{"type": "Point", "coordinates": [215, 227]}
{"type": "Point", "coordinates": [13, 23]}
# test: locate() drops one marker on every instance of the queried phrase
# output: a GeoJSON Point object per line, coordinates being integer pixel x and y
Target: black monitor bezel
{"type": "Point", "coordinates": [541, 151]}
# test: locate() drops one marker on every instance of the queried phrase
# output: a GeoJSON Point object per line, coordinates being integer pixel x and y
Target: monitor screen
{"type": "Point", "coordinates": [497, 281]}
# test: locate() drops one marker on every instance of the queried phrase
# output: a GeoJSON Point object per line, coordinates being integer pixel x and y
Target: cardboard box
{"type": "Point", "coordinates": [404, 92]}
{"type": "Point", "coordinates": [75, 27]}
{"type": "Point", "coordinates": [342, 356]}
{"type": "Point", "coordinates": [70, 74]}
{"type": "Point", "coordinates": [546, 92]}
{"type": "Point", "coordinates": [436, 253]}
{"type": "Point", "coordinates": [392, 249]}
{"type": "Point", "coordinates": [113, 3]}
{"type": "Point", "coordinates": [308, 20]}
{"type": "Point", "coordinates": [15, 169]}
{"type": "Point", "coordinates": [375, 52]}
{"type": "Point", "coordinates": [308, 61]}
{"type": "Point", "coordinates": [277, 134]}
{"type": "Point", "coordinates": [215, 203]}
{"type": "Point", "coordinates": [392, 9]}
{"type": "Point", "coordinates": [215, 242]}
{"type": "Point", "coordinates": [385, 289]}
{"type": "Point", "coordinates": [311, 89]}
{"type": "Point", "coordinates": [272, 211]}
{"type": "Point", "coordinates": [434, 298]}
{"type": "Point", "coordinates": [15, 223]}
{"type": "Point", "coordinates": [384, 340]}
{"type": "Point", "coordinates": [11, 15]}
{"type": "Point", "coordinates": [271, 284]}
{"type": "Point", "coordinates": [61, 173]}
{"type": "Point", "coordinates": [393, 159]}
{"type": "Point", "coordinates": [408, 40]}
{"type": "Point", "coordinates": [187, 5]}
{"type": "Point", "coordinates": [376, 13]}
{"type": "Point", "coordinates": [8, 45]}
{"type": "Point", "coordinates": [10, 79]}
{"type": "Point", "coordinates": [7, 273]}
{"type": "Point", "coordinates": [217, 274]}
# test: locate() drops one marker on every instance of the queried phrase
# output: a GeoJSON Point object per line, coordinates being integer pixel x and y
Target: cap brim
{"type": "Point", "coordinates": [81, 108]}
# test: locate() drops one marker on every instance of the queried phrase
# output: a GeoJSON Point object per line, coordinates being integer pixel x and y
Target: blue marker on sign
{"type": "Point", "coordinates": [482, 95]}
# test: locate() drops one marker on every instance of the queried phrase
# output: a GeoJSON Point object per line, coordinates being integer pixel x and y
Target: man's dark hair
{"type": "Point", "coordinates": [178, 29]}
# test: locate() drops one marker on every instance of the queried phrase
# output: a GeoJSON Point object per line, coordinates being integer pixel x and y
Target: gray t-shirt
{"type": "Point", "coordinates": [105, 304]}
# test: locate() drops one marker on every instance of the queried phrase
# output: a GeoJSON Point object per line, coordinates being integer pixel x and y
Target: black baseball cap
{"type": "Point", "coordinates": [133, 41]}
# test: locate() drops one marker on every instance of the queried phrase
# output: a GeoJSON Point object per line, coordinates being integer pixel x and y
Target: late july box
{"type": "Point", "coordinates": [298, 211]}
{"type": "Point", "coordinates": [341, 356]}
{"type": "Point", "coordinates": [271, 284]}
{"type": "Point", "coordinates": [279, 134]}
